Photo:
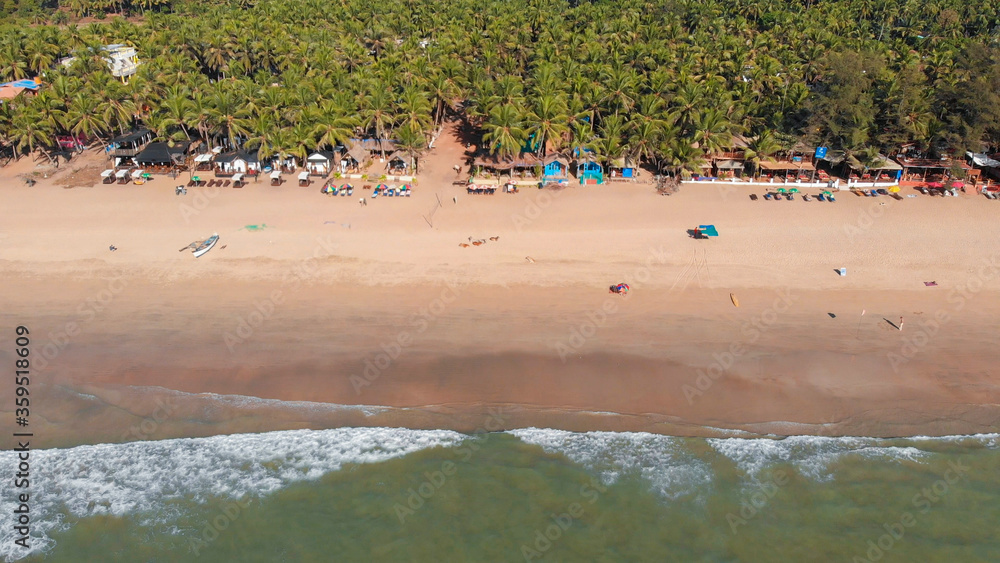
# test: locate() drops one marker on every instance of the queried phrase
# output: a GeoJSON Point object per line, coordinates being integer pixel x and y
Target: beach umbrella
{"type": "Point", "coordinates": [347, 187]}
{"type": "Point", "coordinates": [404, 187]}
{"type": "Point", "coordinates": [782, 191]}
{"type": "Point", "coordinates": [196, 179]}
{"type": "Point", "coordinates": [826, 193]}
{"type": "Point", "coordinates": [894, 189]}
{"type": "Point", "coordinates": [381, 187]}
{"type": "Point", "coordinates": [793, 191]}
{"type": "Point", "coordinates": [957, 184]}
{"type": "Point", "coordinates": [147, 175]}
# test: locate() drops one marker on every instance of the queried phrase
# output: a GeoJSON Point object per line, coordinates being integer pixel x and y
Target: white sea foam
{"type": "Point", "coordinates": [130, 478]}
{"type": "Point", "coordinates": [810, 455]}
{"type": "Point", "coordinates": [672, 470]}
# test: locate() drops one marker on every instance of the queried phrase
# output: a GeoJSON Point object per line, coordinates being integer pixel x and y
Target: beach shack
{"type": "Point", "coordinates": [108, 177]}
{"type": "Point", "coordinates": [320, 163]}
{"type": "Point", "coordinates": [398, 163]}
{"type": "Point", "coordinates": [941, 172]}
{"type": "Point", "coordinates": [555, 169]}
{"type": "Point", "coordinates": [276, 177]}
{"type": "Point", "coordinates": [881, 172]}
{"type": "Point", "coordinates": [354, 160]}
{"type": "Point", "coordinates": [375, 147]}
{"type": "Point", "coordinates": [161, 158]}
{"type": "Point", "coordinates": [124, 148]}
{"type": "Point", "coordinates": [524, 168]}
{"type": "Point", "coordinates": [791, 166]}
{"type": "Point", "coordinates": [238, 162]}
{"type": "Point", "coordinates": [985, 168]}
{"type": "Point", "coordinates": [304, 178]}
{"type": "Point", "coordinates": [588, 170]}
{"type": "Point", "coordinates": [285, 163]}
{"type": "Point", "coordinates": [622, 169]}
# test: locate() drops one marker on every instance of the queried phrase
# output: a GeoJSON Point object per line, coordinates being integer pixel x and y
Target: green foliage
{"type": "Point", "coordinates": [667, 82]}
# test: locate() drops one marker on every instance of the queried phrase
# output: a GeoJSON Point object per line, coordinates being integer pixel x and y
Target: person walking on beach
{"type": "Point", "coordinates": [900, 323]}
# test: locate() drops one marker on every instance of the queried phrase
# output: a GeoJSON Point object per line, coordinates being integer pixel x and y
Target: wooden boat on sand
{"type": "Point", "coordinates": [206, 245]}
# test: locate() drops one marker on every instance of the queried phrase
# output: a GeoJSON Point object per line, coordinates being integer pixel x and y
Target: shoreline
{"type": "Point", "coordinates": [656, 363]}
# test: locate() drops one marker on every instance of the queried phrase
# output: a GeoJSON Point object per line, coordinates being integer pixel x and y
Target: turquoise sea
{"type": "Point", "coordinates": [385, 494]}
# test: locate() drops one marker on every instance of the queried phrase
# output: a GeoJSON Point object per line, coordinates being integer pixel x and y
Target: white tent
{"type": "Point", "coordinates": [237, 177]}
{"type": "Point", "coordinates": [304, 176]}
{"type": "Point", "coordinates": [276, 174]}
{"type": "Point", "coordinates": [203, 158]}
{"type": "Point", "coordinates": [107, 173]}
{"type": "Point", "coordinates": [136, 174]}
{"type": "Point", "coordinates": [121, 174]}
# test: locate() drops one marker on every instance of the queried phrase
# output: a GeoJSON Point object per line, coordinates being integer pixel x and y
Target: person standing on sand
{"type": "Point", "coordinates": [900, 323]}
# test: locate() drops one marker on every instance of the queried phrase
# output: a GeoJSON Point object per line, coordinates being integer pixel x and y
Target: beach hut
{"type": "Point", "coordinates": [276, 177]}
{"type": "Point", "coordinates": [555, 170]}
{"type": "Point", "coordinates": [398, 163]}
{"type": "Point", "coordinates": [239, 180]}
{"type": "Point", "coordinates": [123, 148]}
{"type": "Point", "coordinates": [238, 162]}
{"type": "Point", "coordinates": [355, 159]}
{"type": "Point", "coordinates": [320, 163]}
{"type": "Point", "coordinates": [622, 169]}
{"type": "Point", "coordinates": [108, 177]}
{"type": "Point", "coordinates": [304, 178]}
{"type": "Point", "coordinates": [589, 171]}
{"type": "Point", "coordinates": [375, 147]}
{"type": "Point", "coordinates": [122, 176]}
{"type": "Point", "coordinates": [160, 158]}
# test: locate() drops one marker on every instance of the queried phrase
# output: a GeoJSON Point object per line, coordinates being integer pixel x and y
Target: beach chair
{"type": "Point", "coordinates": [767, 196]}
{"type": "Point", "coordinates": [226, 183]}
{"type": "Point", "coordinates": [350, 191]}
{"type": "Point", "coordinates": [882, 191]}
{"type": "Point", "coordinates": [806, 197]}
{"type": "Point", "coordinates": [821, 197]}
{"type": "Point", "coordinates": [831, 198]}
{"type": "Point", "coordinates": [753, 197]}
{"type": "Point", "coordinates": [408, 192]}
{"type": "Point", "coordinates": [789, 197]}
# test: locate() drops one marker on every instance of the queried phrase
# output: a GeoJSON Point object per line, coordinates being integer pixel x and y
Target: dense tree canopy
{"type": "Point", "coordinates": [664, 81]}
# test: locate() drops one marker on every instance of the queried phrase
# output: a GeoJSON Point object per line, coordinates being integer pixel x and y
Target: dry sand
{"type": "Point", "coordinates": [149, 342]}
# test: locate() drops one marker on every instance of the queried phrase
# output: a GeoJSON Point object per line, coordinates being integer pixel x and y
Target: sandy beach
{"type": "Point", "coordinates": [328, 304]}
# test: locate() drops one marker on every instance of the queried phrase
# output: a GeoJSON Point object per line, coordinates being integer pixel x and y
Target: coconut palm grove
{"type": "Point", "coordinates": [664, 82]}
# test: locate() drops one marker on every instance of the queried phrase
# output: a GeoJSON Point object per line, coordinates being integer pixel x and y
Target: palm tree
{"type": "Point", "coordinates": [86, 119]}
{"type": "Point", "coordinates": [333, 127]}
{"type": "Point", "coordinates": [504, 131]}
{"type": "Point", "coordinates": [411, 141]}
{"type": "Point", "coordinates": [30, 131]}
{"type": "Point", "coordinates": [548, 120]}
{"type": "Point", "coordinates": [761, 147]}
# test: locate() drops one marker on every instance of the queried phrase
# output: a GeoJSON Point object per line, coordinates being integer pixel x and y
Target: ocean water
{"type": "Point", "coordinates": [383, 494]}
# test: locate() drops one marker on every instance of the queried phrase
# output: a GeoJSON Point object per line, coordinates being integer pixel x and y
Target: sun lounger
{"type": "Point", "coordinates": [882, 191]}
{"type": "Point", "coordinates": [753, 197]}
{"type": "Point", "coordinates": [767, 196]}
{"type": "Point", "coordinates": [226, 184]}
{"type": "Point", "coordinates": [830, 197]}
{"type": "Point", "coordinates": [789, 197]}
{"type": "Point", "coordinates": [191, 184]}
{"type": "Point", "coordinates": [806, 197]}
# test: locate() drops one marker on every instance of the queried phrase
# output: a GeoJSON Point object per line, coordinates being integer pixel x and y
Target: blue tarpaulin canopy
{"type": "Point", "coordinates": [708, 230]}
